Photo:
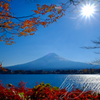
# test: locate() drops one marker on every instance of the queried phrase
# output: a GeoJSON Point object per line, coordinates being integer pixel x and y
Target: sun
{"type": "Point", "coordinates": [88, 10]}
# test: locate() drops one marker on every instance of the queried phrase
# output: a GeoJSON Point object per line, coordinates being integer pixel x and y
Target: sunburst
{"type": "Point", "coordinates": [88, 10]}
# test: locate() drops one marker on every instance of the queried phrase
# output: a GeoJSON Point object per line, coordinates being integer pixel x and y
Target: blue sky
{"type": "Point", "coordinates": [64, 37]}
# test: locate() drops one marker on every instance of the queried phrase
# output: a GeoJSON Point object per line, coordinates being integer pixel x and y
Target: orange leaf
{"type": "Point", "coordinates": [13, 25]}
{"type": "Point", "coordinates": [25, 34]}
{"type": "Point", "coordinates": [19, 36]}
{"type": "Point", "coordinates": [1, 5]}
{"type": "Point", "coordinates": [43, 13]}
{"type": "Point", "coordinates": [5, 23]}
{"type": "Point", "coordinates": [12, 42]}
{"type": "Point", "coordinates": [48, 10]}
{"type": "Point", "coordinates": [13, 38]}
{"type": "Point", "coordinates": [43, 8]}
{"type": "Point", "coordinates": [38, 5]}
{"type": "Point", "coordinates": [6, 41]}
{"type": "Point", "coordinates": [55, 20]}
{"type": "Point", "coordinates": [6, 6]}
{"type": "Point", "coordinates": [61, 15]}
{"type": "Point", "coordinates": [53, 15]}
{"type": "Point", "coordinates": [10, 22]}
{"type": "Point", "coordinates": [2, 68]}
{"type": "Point", "coordinates": [50, 16]}
{"type": "Point", "coordinates": [59, 12]}
{"type": "Point", "coordinates": [5, 70]}
{"type": "Point", "coordinates": [33, 21]}
{"type": "Point", "coordinates": [36, 11]}
{"type": "Point", "coordinates": [32, 33]}
{"type": "Point", "coordinates": [33, 29]}
{"type": "Point", "coordinates": [27, 21]}
{"type": "Point", "coordinates": [39, 8]}
{"type": "Point", "coordinates": [38, 18]}
{"type": "Point", "coordinates": [7, 14]}
{"type": "Point", "coordinates": [57, 17]}
{"type": "Point", "coordinates": [34, 18]}
{"type": "Point", "coordinates": [30, 25]}
{"type": "Point", "coordinates": [43, 23]}
{"type": "Point", "coordinates": [9, 43]}
{"type": "Point", "coordinates": [1, 65]}
{"type": "Point", "coordinates": [22, 33]}
{"type": "Point", "coordinates": [24, 24]}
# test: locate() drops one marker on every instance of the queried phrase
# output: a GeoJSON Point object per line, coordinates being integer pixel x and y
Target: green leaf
{"type": "Point", "coordinates": [21, 94]}
{"type": "Point", "coordinates": [56, 88]}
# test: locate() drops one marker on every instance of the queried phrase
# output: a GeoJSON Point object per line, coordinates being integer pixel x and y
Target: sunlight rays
{"type": "Point", "coordinates": [88, 10]}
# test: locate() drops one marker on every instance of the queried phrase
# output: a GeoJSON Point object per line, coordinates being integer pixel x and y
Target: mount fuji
{"type": "Point", "coordinates": [51, 61]}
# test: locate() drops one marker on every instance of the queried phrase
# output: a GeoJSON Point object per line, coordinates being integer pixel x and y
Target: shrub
{"type": "Point", "coordinates": [44, 92]}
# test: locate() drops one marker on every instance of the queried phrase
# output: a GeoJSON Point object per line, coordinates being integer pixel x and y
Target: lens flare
{"type": "Point", "coordinates": [88, 10]}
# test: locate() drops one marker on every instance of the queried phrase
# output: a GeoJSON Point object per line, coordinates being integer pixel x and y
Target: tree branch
{"type": "Point", "coordinates": [89, 47]}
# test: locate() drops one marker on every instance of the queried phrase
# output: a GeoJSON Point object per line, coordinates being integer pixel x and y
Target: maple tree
{"type": "Point", "coordinates": [9, 28]}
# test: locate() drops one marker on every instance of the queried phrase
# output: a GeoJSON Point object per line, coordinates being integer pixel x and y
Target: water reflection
{"type": "Point", "coordinates": [84, 82]}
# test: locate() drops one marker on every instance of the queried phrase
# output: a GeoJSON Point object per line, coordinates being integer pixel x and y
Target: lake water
{"type": "Point", "coordinates": [60, 80]}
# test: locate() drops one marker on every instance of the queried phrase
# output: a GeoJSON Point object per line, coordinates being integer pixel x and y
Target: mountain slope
{"type": "Point", "coordinates": [50, 62]}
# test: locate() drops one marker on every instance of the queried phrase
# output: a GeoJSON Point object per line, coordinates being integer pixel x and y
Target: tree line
{"type": "Point", "coordinates": [82, 71]}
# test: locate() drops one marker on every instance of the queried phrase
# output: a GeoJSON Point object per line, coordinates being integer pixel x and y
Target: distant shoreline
{"type": "Point", "coordinates": [82, 71]}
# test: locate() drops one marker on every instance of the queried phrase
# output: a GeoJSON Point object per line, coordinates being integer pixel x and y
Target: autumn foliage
{"type": "Point", "coordinates": [3, 69]}
{"type": "Point", "coordinates": [43, 92]}
{"type": "Point", "coordinates": [9, 28]}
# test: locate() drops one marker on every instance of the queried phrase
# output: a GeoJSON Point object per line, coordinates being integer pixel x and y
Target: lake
{"type": "Point", "coordinates": [60, 80]}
